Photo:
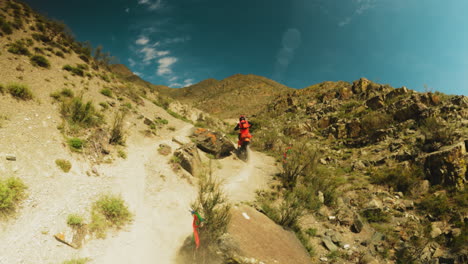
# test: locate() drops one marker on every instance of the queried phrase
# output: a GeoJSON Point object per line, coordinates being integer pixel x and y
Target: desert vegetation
{"type": "Point", "coordinates": [12, 192]}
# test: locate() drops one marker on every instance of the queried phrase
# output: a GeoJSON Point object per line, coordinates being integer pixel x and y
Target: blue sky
{"type": "Point", "coordinates": [421, 44]}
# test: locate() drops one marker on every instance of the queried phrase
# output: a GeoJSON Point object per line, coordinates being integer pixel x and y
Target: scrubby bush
{"type": "Point", "coordinates": [117, 133]}
{"type": "Point", "coordinates": [20, 91]}
{"type": "Point", "coordinates": [298, 160]}
{"type": "Point", "coordinates": [114, 210]}
{"type": "Point", "coordinates": [67, 92]}
{"type": "Point", "coordinates": [376, 215]}
{"type": "Point", "coordinates": [41, 61]}
{"type": "Point", "coordinates": [122, 154]}
{"type": "Point", "coordinates": [80, 113]}
{"type": "Point", "coordinates": [107, 92]}
{"type": "Point", "coordinates": [374, 121]}
{"type": "Point", "coordinates": [65, 165]}
{"type": "Point", "coordinates": [212, 204]}
{"type": "Point", "coordinates": [74, 70]}
{"type": "Point", "coordinates": [401, 179]}
{"type": "Point", "coordinates": [436, 132]}
{"type": "Point", "coordinates": [5, 26]}
{"type": "Point", "coordinates": [60, 54]}
{"type": "Point", "coordinates": [12, 191]}
{"type": "Point", "coordinates": [74, 220]}
{"type": "Point", "coordinates": [76, 144]}
{"type": "Point", "coordinates": [19, 48]}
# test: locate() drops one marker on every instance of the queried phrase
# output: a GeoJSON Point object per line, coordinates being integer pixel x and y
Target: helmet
{"type": "Point", "coordinates": [242, 117]}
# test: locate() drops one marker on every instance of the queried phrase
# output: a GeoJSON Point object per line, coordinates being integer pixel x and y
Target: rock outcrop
{"type": "Point", "coordinates": [448, 166]}
{"type": "Point", "coordinates": [189, 158]}
{"type": "Point", "coordinates": [213, 142]}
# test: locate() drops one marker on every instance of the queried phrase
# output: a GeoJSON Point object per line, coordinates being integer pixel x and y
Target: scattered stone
{"type": "Point", "coordinates": [189, 158]}
{"type": "Point", "coordinates": [321, 197]}
{"type": "Point", "coordinates": [435, 232]}
{"type": "Point", "coordinates": [164, 149]}
{"type": "Point", "coordinates": [329, 244]}
{"type": "Point", "coordinates": [324, 259]}
{"type": "Point", "coordinates": [358, 165]}
{"type": "Point", "coordinates": [357, 225]}
{"type": "Point", "coordinates": [346, 246]}
{"type": "Point", "coordinates": [10, 157]}
{"type": "Point", "coordinates": [148, 122]}
{"type": "Point", "coordinates": [323, 161]}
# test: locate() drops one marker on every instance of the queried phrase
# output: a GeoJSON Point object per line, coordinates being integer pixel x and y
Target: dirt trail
{"type": "Point", "coordinates": [158, 197]}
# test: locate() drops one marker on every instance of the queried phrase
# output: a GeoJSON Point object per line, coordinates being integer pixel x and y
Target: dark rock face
{"type": "Point", "coordinates": [447, 166]}
{"type": "Point", "coordinates": [413, 111]}
{"type": "Point", "coordinates": [376, 102]}
{"type": "Point", "coordinates": [189, 158]}
{"type": "Point", "coordinates": [213, 142]}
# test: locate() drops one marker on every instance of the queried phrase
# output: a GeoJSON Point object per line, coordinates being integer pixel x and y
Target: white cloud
{"type": "Point", "coordinates": [132, 62]}
{"type": "Point", "coordinates": [142, 40]}
{"type": "Point", "coordinates": [152, 5]}
{"type": "Point", "coordinates": [188, 82]}
{"type": "Point", "coordinates": [127, 10]}
{"type": "Point", "coordinates": [138, 73]}
{"type": "Point", "coordinates": [175, 85]}
{"type": "Point", "coordinates": [176, 40]}
{"type": "Point", "coordinates": [173, 78]}
{"type": "Point", "coordinates": [150, 53]}
{"type": "Point", "coordinates": [165, 65]}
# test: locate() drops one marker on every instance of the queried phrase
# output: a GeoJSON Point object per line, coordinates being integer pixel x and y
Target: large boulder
{"type": "Point", "coordinates": [257, 237]}
{"type": "Point", "coordinates": [360, 86]}
{"type": "Point", "coordinates": [189, 158]}
{"type": "Point", "coordinates": [376, 102]}
{"type": "Point", "coordinates": [447, 166]}
{"type": "Point", "coordinates": [213, 142]}
{"type": "Point", "coordinates": [413, 111]}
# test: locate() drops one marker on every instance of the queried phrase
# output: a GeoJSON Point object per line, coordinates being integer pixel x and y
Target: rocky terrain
{"type": "Point", "coordinates": [338, 173]}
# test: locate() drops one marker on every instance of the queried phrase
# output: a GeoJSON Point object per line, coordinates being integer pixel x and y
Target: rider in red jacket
{"type": "Point", "coordinates": [244, 132]}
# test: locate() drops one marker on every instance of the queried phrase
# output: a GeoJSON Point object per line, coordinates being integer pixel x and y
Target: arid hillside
{"type": "Point", "coordinates": [228, 98]}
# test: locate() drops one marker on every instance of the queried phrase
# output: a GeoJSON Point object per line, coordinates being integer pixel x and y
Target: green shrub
{"type": "Point", "coordinates": [80, 113]}
{"type": "Point", "coordinates": [20, 91]}
{"type": "Point", "coordinates": [178, 116]}
{"type": "Point", "coordinates": [298, 160]}
{"type": "Point", "coordinates": [65, 165]}
{"type": "Point", "coordinates": [374, 121]}
{"type": "Point", "coordinates": [67, 92]}
{"type": "Point", "coordinates": [376, 215]}
{"type": "Point", "coordinates": [311, 232]}
{"type": "Point", "coordinates": [41, 61]}
{"type": "Point", "coordinates": [2, 89]}
{"type": "Point", "coordinates": [114, 209]}
{"type": "Point", "coordinates": [41, 37]}
{"type": "Point", "coordinates": [60, 54]}
{"type": "Point", "coordinates": [73, 70]}
{"type": "Point", "coordinates": [401, 179]}
{"type": "Point", "coordinates": [437, 205]}
{"type": "Point", "coordinates": [161, 121]}
{"type": "Point", "coordinates": [117, 133]}
{"type": "Point", "coordinates": [76, 144]}
{"type": "Point", "coordinates": [104, 105]}
{"type": "Point", "coordinates": [212, 204]}
{"type": "Point", "coordinates": [74, 220]}
{"type": "Point", "coordinates": [5, 26]}
{"type": "Point", "coordinates": [107, 92]}
{"type": "Point", "coordinates": [12, 191]}
{"type": "Point", "coordinates": [19, 48]}
{"type": "Point", "coordinates": [435, 131]}
{"type": "Point", "coordinates": [122, 154]}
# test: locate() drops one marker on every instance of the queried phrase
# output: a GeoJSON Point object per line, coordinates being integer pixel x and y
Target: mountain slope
{"type": "Point", "coordinates": [228, 98]}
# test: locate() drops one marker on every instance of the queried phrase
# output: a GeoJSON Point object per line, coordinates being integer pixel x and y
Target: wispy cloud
{"type": "Point", "coordinates": [127, 10]}
{"type": "Point", "coordinates": [142, 40]}
{"type": "Point", "coordinates": [290, 42]}
{"type": "Point", "coordinates": [131, 62]}
{"type": "Point", "coordinates": [165, 65]}
{"type": "Point", "coordinates": [188, 82]}
{"type": "Point", "coordinates": [139, 74]}
{"type": "Point", "coordinates": [361, 6]}
{"type": "Point", "coordinates": [150, 53]}
{"type": "Point", "coordinates": [152, 5]}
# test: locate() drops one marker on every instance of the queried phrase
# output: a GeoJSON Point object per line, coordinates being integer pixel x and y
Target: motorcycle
{"type": "Point", "coordinates": [242, 151]}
